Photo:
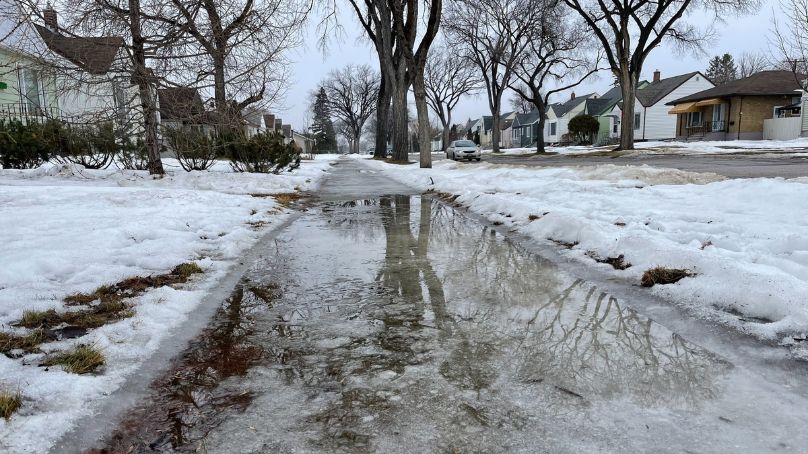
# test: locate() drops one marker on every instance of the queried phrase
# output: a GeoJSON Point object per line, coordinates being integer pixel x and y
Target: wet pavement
{"type": "Point", "coordinates": [382, 320]}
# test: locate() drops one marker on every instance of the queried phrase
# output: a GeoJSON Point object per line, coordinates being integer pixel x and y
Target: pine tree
{"type": "Point", "coordinates": [722, 69]}
{"type": "Point", "coordinates": [322, 127]}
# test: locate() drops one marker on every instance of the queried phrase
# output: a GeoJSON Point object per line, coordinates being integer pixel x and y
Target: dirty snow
{"type": "Point", "coordinates": [676, 147]}
{"type": "Point", "coordinates": [745, 239]}
{"type": "Point", "coordinates": [65, 229]}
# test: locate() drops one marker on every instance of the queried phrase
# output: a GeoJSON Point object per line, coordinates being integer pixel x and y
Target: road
{"type": "Point", "coordinates": [384, 320]}
{"type": "Point", "coordinates": [732, 166]}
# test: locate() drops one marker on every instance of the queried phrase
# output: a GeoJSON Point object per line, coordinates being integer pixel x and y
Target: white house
{"type": "Point", "coordinates": [652, 120]}
{"type": "Point", "coordinates": [560, 113]}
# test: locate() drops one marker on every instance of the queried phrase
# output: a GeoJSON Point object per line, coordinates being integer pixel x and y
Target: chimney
{"type": "Point", "coordinates": [287, 131]}
{"type": "Point", "coordinates": [50, 17]}
{"type": "Point", "coordinates": [278, 124]}
{"type": "Point", "coordinates": [656, 75]}
{"type": "Point", "coordinates": [572, 96]}
{"type": "Point", "coordinates": [269, 120]}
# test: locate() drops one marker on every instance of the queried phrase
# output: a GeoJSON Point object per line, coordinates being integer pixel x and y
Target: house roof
{"type": "Point", "coordinates": [505, 124]}
{"type": "Point", "coordinates": [598, 105]}
{"type": "Point", "coordinates": [523, 119]}
{"type": "Point", "coordinates": [180, 103]}
{"type": "Point", "coordinates": [561, 108]}
{"type": "Point", "coordinates": [94, 55]}
{"type": "Point", "coordinates": [488, 121]}
{"type": "Point", "coordinates": [655, 91]}
{"type": "Point", "coordinates": [763, 83]}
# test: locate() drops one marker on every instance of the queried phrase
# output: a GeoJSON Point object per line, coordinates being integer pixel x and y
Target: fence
{"type": "Point", "coordinates": [782, 128]}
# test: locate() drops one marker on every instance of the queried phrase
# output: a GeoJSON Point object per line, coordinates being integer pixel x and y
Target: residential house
{"type": "Point", "coordinates": [505, 129]}
{"type": "Point", "coordinates": [652, 120]}
{"type": "Point", "coordinates": [46, 74]}
{"type": "Point", "coordinates": [524, 129]}
{"type": "Point", "coordinates": [183, 107]}
{"type": "Point", "coordinates": [601, 108]}
{"type": "Point", "coordinates": [739, 109]}
{"type": "Point", "coordinates": [559, 115]}
{"type": "Point", "coordinates": [303, 141]}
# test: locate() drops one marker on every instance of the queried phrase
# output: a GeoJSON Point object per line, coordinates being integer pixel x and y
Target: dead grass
{"type": "Point", "coordinates": [81, 360]}
{"type": "Point", "coordinates": [108, 310]}
{"type": "Point", "coordinates": [564, 244]}
{"type": "Point", "coordinates": [618, 263]}
{"type": "Point", "coordinates": [533, 217]}
{"type": "Point", "coordinates": [9, 403]}
{"type": "Point", "coordinates": [286, 199]}
{"type": "Point", "coordinates": [661, 275]}
{"type": "Point", "coordinates": [28, 343]}
{"type": "Point", "coordinates": [135, 286]}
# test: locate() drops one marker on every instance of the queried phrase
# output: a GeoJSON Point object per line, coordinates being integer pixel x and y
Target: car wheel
{"type": "Point", "coordinates": [478, 159]}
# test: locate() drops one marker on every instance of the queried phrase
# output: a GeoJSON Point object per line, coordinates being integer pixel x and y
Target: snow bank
{"type": "Point", "coordinates": [65, 229]}
{"type": "Point", "coordinates": [686, 148]}
{"type": "Point", "coordinates": [747, 240]}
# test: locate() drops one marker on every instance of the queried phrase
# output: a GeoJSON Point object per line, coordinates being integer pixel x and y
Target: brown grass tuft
{"type": "Point", "coordinates": [9, 403]}
{"type": "Point", "coordinates": [286, 199]}
{"type": "Point", "coordinates": [81, 360]}
{"type": "Point", "coordinates": [533, 217]}
{"type": "Point", "coordinates": [564, 244]}
{"type": "Point", "coordinates": [618, 263]}
{"type": "Point", "coordinates": [661, 275]}
{"type": "Point", "coordinates": [28, 343]}
{"type": "Point", "coordinates": [185, 270]}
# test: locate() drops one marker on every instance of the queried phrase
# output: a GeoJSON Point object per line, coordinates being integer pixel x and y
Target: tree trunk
{"type": "Point", "coordinates": [219, 93]}
{"type": "Point", "coordinates": [495, 132]}
{"type": "Point", "coordinates": [382, 118]}
{"type": "Point", "coordinates": [447, 126]}
{"type": "Point", "coordinates": [401, 136]}
{"type": "Point", "coordinates": [143, 78]}
{"type": "Point", "coordinates": [424, 134]}
{"type": "Point", "coordinates": [540, 132]}
{"type": "Point", "coordinates": [628, 86]}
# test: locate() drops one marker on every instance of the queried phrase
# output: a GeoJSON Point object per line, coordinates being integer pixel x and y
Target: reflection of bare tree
{"type": "Point", "coordinates": [583, 341]}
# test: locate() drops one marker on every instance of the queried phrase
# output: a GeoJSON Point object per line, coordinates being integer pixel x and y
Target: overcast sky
{"type": "Point", "coordinates": [310, 65]}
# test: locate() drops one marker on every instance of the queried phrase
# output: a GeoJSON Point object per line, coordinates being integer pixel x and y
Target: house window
{"type": "Point", "coordinates": [614, 126]}
{"type": "Point", "coordinates": [552, 129]}
{"type": "Point", "coordinates": [694, 119]}
{"type": "Point", "coordinates": [31, 92]}
{"type": "Point", "coordinates": [636, 121]}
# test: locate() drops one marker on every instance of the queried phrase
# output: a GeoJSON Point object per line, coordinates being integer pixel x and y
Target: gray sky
{"type": "Point", "coordinates": [310, 65]}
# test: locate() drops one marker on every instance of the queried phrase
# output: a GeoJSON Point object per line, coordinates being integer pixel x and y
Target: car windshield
{"type": "Point", "coordinates": [464, 143]}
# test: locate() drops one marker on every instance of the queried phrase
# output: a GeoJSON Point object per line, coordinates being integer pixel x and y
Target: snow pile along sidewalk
{"type": "Point", "coordinates": [65, 229]}
{"type": "Point", "coordinates": [746, 241]}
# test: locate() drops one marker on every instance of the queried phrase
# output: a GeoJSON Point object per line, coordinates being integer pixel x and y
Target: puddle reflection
{"type": "Point", "coordinates": [399, 313]}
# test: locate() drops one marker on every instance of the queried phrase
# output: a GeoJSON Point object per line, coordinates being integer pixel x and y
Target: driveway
{"type": "Point", "coordinates": [384, 320]}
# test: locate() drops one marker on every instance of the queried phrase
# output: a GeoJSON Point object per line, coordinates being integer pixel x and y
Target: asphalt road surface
{"type": "Point", "coordinates": [732, 166]}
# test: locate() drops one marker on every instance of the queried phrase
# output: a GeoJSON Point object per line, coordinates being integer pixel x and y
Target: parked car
{"type": "Point", "coordinates": [463, 149]}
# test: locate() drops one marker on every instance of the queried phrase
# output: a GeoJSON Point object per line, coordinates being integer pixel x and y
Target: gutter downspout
{"type": "Point", "coordinates": [740, 116]}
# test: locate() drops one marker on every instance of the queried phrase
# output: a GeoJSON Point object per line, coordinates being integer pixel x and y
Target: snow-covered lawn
{"type": "Point", "coordinates": [65, 229]}
{"type": "Point", "coordinates": [746, 239]}
{"type": "Point", "coordinates": [687, 148]}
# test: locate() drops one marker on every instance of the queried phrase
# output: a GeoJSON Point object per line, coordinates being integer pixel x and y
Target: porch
{"type": "Point", "coordinates": [702, 120]}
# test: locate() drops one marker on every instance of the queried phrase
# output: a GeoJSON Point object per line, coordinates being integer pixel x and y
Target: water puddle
{"type": "Point", "coordinates": [396, 324]}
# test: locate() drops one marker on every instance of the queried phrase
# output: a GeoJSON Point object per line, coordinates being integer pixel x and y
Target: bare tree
{"type": "Point", "coordinates": [520, 104]}
{"type": "Point", "coordinates": [751, 62]}
{"type": "Point", "coordinates": [393, 27]}
{"type": "Point", "coordinates": [240, 46]}
{"type": "Point", "coordinates": [789, 39]}
{"type": "Point", "coordinates": [352, 93]}
{"type": "Point", "coordinates": [628, 30]}
{"type": "Point", "coordinates": [447, 79]}
{"type": "Point", "coordinates": [489, 33]}
{"type": "Point", "coordinates": [555, 59]}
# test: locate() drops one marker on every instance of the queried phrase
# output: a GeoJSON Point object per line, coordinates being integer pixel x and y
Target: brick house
{"type": "Point", "coordinates": [737, 110]}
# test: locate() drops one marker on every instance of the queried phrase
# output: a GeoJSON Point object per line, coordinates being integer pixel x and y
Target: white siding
{"type": "Point", "coordinates": [657, 123]}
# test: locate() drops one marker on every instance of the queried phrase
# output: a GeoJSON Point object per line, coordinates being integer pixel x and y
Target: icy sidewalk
{"type": "Point", "coordinates": [65, 229]}
{"type": "Point", "coordinates": [745, 240]}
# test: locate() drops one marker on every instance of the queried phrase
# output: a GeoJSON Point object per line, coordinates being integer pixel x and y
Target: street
{"type": "Point", "coordinates": [746, 165]}
{"type": "Point", "coordinates": [383, 320]}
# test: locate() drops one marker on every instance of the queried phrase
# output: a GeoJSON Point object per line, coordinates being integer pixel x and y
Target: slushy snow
{"type": "Point", "coordinates": [65, 229]}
